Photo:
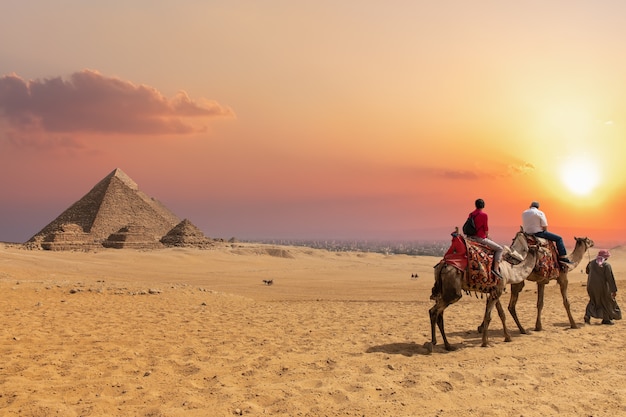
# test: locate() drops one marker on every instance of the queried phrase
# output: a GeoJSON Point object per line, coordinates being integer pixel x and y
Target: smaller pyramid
{"type": "Point", "coordinates": [186, 234]}
{"type": "Point", "coordinates": [133, 236]}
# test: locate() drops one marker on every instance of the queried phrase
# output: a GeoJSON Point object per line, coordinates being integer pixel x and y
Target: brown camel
{"type": "Point", "coordinates": [582, 245]}
{"type": "Point", "coordinates": [450, 283]}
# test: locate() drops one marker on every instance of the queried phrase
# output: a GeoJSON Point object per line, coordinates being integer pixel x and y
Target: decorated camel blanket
{"type": "Point", "coordinates": [547, 264]}
{"type": "Point", "coordinates": [475, 260]}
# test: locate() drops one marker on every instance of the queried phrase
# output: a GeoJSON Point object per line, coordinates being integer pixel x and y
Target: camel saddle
{"type": "Point", "coordinates": [476, 260]}
{"type": "Point", "coordinates": [547, 264]}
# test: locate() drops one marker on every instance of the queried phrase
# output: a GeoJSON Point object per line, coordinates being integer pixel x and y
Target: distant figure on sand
{"type": "Point", "coordinates": [534, 222]}
{"type": "Point", "coordinates": [602, 289]}
{"type": "Point", "coordinates": [481, 221]}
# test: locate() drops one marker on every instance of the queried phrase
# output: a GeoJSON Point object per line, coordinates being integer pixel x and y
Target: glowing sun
{"type": "Point", "coordinates": [580, 175]}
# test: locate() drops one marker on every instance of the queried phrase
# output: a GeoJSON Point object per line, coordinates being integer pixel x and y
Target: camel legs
{"type": "Point", "coordinates": [562, 280]}
{"type": "Point", "coordinates": [447, 291]}
{"type": "Point", "coordinates": [491, 302]}
{"type": "Point", "coordinates": [540, 292]}
{"type": "Point", "coordinates": [502, 314]}
{"type": "Point", "coordinates": [436, 317]}
{"type": "Point", "coordinates": [515, 291]}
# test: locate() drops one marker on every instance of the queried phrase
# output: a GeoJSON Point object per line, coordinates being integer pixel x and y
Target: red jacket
{"type": "Point", "coordinates": [482, 223]}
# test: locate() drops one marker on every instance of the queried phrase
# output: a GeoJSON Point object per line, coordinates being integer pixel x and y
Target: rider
{"type": "Point", "coordinates": [482, 234]}
{"type": "Point", "coordinates": [534, 222]}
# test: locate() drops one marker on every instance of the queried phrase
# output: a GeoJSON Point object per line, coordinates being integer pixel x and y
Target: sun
{"type": "Point", "coordinates": [580, 175]}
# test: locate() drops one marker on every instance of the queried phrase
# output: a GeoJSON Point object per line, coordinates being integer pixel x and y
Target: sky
{"type": "Point", "coordinates": [319, 119]}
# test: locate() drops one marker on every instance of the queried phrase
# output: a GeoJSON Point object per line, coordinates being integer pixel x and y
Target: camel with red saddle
{"type": "Point", "coordinates": [467, 267]}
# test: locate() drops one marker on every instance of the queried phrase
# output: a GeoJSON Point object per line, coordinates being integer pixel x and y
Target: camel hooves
{"type": "Point", "coordinates": [429, 347]}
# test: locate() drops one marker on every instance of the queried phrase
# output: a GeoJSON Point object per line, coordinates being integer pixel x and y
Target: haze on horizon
{"type": "Point", "coordinates": [356, 120]}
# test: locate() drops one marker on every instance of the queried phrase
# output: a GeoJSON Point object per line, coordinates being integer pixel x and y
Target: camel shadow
{"type": "Point", "coordinates": [405, 349]}
{"type": "Point", "coordinates": [473, 339]}
{"type": "Point", "coordinates": [469, 339]}
{"type": "Point", "coordinates": [566, 325]}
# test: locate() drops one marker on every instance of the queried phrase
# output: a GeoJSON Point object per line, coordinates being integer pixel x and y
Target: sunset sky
{"type": "Point", "coordinates": [319, 119]}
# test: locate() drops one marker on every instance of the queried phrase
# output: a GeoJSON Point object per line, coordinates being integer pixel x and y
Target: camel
{"type": "Point", "coordinates": [582, 245]}
{"type": "Point", "coordinates": [450, 283]}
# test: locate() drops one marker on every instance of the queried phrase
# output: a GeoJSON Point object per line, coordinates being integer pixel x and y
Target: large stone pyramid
{"type": "Point", "coordinates": [115, 213]}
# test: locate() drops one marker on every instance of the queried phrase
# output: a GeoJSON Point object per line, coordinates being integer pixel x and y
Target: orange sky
{"type": "Point", "coordinates": [352, 119]}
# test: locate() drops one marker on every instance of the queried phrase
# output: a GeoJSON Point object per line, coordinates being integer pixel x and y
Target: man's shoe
{"type": "Point", "coordinates": [587, 320]}
{"type": "Point", "coordinates": [609, 322]}
{"type": "Point", "coordinates": [565, 260]}
{"type": "Point", "coordinates": [496, 273]}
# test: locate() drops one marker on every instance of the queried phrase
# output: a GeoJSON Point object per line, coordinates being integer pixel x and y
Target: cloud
{"type": "Point", "coordinates": [475, 173]}
{"type": "Point", "coordinates": [90, 102]}
{"type": "Point", "coordinates": [36, 142]}
{"type": "Point", "coordinates": [460, 174]}
{"type": "Point", "coordinates": [521, 168]}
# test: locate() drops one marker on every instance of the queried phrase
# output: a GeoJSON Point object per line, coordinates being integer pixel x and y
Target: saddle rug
{"type": "Point", "coordinates": [547, 264]}
{"type": "Point", "coordinates": [475, 260]}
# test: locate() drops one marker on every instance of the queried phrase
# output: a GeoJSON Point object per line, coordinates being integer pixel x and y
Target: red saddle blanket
{"type": "Point", "coordinates": [475, 259]}
{"type": "Point", "coordinates": [547, 264]}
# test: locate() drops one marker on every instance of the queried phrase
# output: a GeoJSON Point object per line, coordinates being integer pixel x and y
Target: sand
{"type": "Point", "coordinates": [187, 332]}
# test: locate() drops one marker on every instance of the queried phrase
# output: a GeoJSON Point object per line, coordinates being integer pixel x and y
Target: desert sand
{"type": "Point", "coordinates": [190, 332]}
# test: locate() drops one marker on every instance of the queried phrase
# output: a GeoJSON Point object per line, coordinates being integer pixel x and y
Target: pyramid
{"type": "Point", "coordinates": [114, 208]}
{"type": "Point", "coordinates": [186, 234]}
{"type": "Point", "coordinates": [132, 236]}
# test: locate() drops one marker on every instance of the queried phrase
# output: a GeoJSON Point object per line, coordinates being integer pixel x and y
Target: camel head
{"type": "Point", "coordinates": [585, 242]}
{"type": "Point", "coordinates": [582, 245]}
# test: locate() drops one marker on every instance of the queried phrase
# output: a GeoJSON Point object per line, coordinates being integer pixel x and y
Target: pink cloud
{"type": "Point", "coordinates": [91, 102]}
{"type": "Point", "coordinates": [513, 169]}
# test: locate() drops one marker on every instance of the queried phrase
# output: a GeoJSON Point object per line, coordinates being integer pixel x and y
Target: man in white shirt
{"type": "Point", "coordinates": [534, 222]}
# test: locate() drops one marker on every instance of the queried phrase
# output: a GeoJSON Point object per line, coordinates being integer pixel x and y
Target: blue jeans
{"type": "Point", "coordinates": [560, 246]}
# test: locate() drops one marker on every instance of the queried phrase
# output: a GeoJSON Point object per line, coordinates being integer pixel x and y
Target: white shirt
{"type": "Point", "coordinates": [533, 220]}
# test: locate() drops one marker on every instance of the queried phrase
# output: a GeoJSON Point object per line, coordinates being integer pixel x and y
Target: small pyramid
{"type": "Point", "coordinates": [186, 234]}
{"type": "Point", "coordinates": [132, 237]}
{"type": "Point", "coordinates": [110, 206]}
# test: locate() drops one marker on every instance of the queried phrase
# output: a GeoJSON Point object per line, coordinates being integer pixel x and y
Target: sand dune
{"type": "Point", "coordinates": [184, 332]}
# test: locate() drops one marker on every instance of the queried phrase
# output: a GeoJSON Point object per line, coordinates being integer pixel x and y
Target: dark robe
{"type": "Point", "coordinates": [600, 285]}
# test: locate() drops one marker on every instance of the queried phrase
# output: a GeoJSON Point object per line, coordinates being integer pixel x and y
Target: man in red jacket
{"type": "Point", "coordinates": [481, 221]}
